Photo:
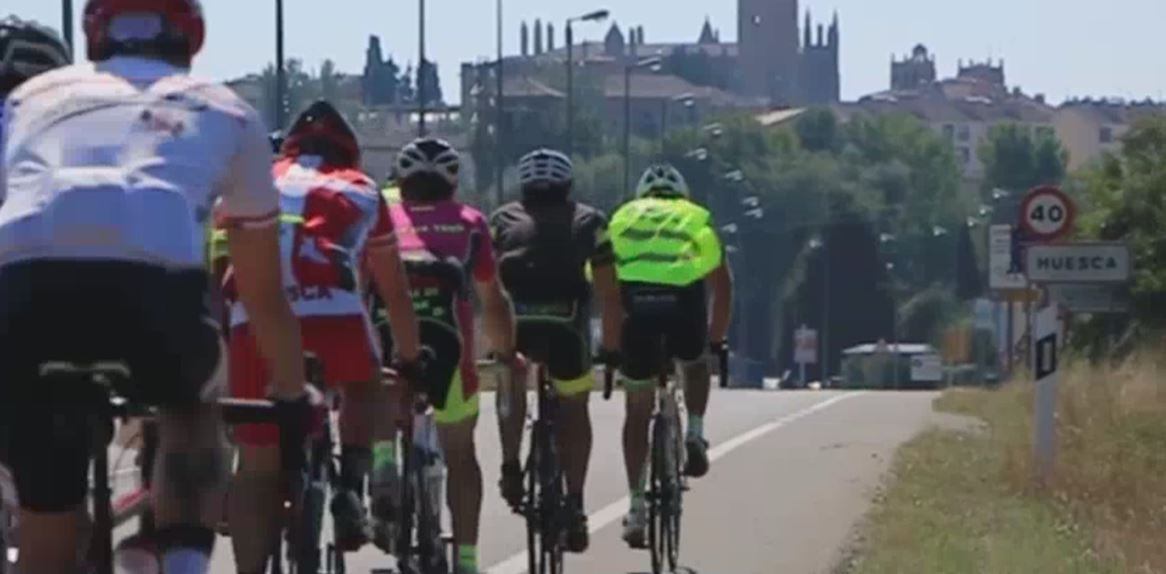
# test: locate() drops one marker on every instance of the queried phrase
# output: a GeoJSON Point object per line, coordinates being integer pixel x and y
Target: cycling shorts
{"type": "Point", "coordinates": [661, 322]}
{"type": "Point", "coordinates": [342, 343]}
{"type": "Point", "coordinates": [558, 336]}
{"type": "Point", "coordinates": [154, 320]}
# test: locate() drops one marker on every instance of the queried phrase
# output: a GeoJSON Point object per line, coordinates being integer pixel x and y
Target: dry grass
{"type": "Point", "coordinates": [968, 503]}
{"type": "Point", "coordinates": [1110, 471]}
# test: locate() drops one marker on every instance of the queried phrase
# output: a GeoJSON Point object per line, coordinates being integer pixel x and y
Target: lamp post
{"type": "Point", "coordinates": [280, 74]}
{"type": "Point", "coordinates": [421, 91]}
{"type": "Point", "coordinates": [887, 240]}
{"type": "Point", "coordinates": [67, 24]}
{"type": "Point", "coordinates": [653, 63]}
{"type": "Point", "coordinates": [500, 117]}
{"type": "Point", "coordinates": [596, 16]}
{"type": "Point", "coordinates": [686, 99]}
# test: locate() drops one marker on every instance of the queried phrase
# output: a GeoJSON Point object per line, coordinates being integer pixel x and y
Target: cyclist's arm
{"type": "Point", "coordinates": [498, 315]}
{"type": "Point", "coordinates": [721, 281]}
{"type": "Point", "coordinates": [607, 292]}
{"type": "Point", "coordinates": [251, 211]}
{"type": "Point", "coordinates": [606, 283]}
{"type": "Point", "coordinates": [383, 259]}
{"type": "Point", "coordinates": [498, 311]}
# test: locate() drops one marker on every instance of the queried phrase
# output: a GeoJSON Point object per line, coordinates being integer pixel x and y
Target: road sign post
{"type": "Point", "coordinates": [805, 351]}
{"type": "Point", "coordinates": [1044, 368]}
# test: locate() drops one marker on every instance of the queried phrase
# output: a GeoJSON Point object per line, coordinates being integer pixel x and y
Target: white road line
{"type": "Point", "coordinates": [517, 563]}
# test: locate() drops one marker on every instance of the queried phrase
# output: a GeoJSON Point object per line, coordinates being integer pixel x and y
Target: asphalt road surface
{"type": "Point", "coordinates": [793, 472]}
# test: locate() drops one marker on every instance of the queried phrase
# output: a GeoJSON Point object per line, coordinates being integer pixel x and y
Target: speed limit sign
{"type": "Point", "coordinates": [1047, 213]}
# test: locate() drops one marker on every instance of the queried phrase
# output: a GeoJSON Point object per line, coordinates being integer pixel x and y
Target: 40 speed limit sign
{"type": "Point", "coordinates": [1047, 213]}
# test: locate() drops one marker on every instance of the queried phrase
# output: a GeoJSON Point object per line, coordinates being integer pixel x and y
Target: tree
{"type": "Point", "coordinates": [1126, 199]}
{"type": "Point", "coordinates": [1017, 160]}
{"type": "Point", "coordinates": [329, 81]}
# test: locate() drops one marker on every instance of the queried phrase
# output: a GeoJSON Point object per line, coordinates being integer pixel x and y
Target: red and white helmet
{"type": "Point", "coordinates": [182, 19]}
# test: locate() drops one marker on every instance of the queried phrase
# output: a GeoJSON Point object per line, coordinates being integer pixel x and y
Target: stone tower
{"type": "Point", "coordinates": [819, 77]}
{"type": "Point", "coordinates": [767, 32]}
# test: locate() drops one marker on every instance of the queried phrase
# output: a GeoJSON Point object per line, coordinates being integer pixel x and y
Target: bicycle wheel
{"type": "Point", "coordinates": [430, 554]}
{"type": "Point", "coordinates": [674, 491]}
{"type": "Point", "coordinates": [408, 515]}
{"type": "Point", "coordinates": [657, 492]}
{"type": "Point", "coordinates": [530, 506]}
{"type": "Point", "coordinates": [551, 509]}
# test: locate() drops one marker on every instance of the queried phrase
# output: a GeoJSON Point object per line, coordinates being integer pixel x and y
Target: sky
{"type": "Point", "coordinates": [1059, 48]}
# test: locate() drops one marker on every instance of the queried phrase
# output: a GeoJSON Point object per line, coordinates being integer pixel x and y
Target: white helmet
{"type": "Point", "coordinates": [545, 168]}
{"type": "Point", "coordinates": [662, 180]}
{"type": "Point", "coordinates": [429, 156]}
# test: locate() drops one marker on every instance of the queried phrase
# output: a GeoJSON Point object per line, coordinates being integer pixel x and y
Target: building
{"type": "Point", "coordinates": [1090, 127]}
{"type": "Point", "coordinates": [774, 63]}
{"type": "Point", "coordinates": [915, 71]}
{"type": "Point", "coordinates": [962, 110]}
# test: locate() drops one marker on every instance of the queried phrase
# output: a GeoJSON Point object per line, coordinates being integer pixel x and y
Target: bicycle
{"type": "Point", "coordinates": [666, 481]}
{"type": "Point", "coordinates": [298, 548]}
{"type": "Point", "coordinates": [421, 547]}
{"type": "Point", "coordinates": [544, 505]}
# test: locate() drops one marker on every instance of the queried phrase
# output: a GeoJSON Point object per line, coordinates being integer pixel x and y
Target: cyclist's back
{"type": "Point", "coordinates": [110, 170]}
{"type": "Point", "coordinates": [665, 249]}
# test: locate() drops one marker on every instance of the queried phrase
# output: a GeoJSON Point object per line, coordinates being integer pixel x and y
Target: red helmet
{"type": "Point", "coordinates": [182, 17]}
{"type": "Point", "coordinates": [322, 130]}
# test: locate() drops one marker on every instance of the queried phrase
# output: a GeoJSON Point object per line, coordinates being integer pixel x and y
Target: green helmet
{"type": "Point", "coordinates": [662, 180]}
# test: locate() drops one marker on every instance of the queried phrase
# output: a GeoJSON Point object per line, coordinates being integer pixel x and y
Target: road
{"type": "Point", "coordinates": [793, 473]}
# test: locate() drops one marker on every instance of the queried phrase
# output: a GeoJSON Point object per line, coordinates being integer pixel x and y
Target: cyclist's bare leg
{"type": "Point", "coordinates": [43, 535]}
{"type": "Point", "coordinates": [189, 478]}
{"type": "Point", "coordinates": [254, 506]}
{"type": "Point", "coordinates": [464, 485]}
{"type": "Point", "coordinates": [574, 437]}
{"type": "Point", "coordinates": [361, 406]}
{"type": "Point", "coordinates": [635, 433]}
{"type": "Point", "coordinates": [697, 382]}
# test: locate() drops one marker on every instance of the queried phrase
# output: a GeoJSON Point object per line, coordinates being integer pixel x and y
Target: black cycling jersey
{"type": "Point", "coordinates": [543, 249]}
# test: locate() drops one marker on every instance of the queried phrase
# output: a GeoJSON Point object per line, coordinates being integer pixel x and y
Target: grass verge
{"type": "Point", "coordinates": [965, 502]}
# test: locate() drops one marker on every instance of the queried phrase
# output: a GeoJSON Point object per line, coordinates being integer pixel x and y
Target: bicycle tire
{"type": "Point", "coordinates": [429, 543]}
{"type": "Point", "coordinates": [656, 495]}
{"type": "Point", "coordinates": [674, 492]}
{"type": "Point", "coordinates": [553, 488]}
{"type": "Point", "coordinates": [530, 508]}
{"type": "Point", "coordinates": [408, 505]}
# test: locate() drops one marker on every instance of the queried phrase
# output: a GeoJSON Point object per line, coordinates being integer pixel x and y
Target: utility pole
{"type": "Point", "coordinates": [67, 25]}
{"type": "Point", "coordinates": [500, 118]}
{"type": "Point", "coordinates": [280, 73]}
{"type": "Point", "coordinates": [421, 95]}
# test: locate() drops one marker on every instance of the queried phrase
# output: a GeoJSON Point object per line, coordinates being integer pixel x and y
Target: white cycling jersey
{"type": "Point", "coordinates": [123, 160]}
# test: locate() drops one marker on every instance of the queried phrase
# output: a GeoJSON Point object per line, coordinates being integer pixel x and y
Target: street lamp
{"type": "Point", "coordinates": [686, 99]}
{"type": "Point", "coordinates": [421, 95]}
{"type": "Point", "coordinates": [280, 74]}
{"type": "Point", "coordinates": [67, 23]}
{"type": "Point", "coordinates": [499, 118]}
{"type": "Point", "coordinates": [654, 63]}
{"type": "Point", "coordinates": [714, 131]}
{"type": "Point", "coordinates": [596, 16]}
{"type": "Point", "coordinates": [699, 154]}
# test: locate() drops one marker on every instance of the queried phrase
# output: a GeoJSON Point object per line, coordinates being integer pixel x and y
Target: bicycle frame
{"type": "Point", "coordinates": [419, 536]}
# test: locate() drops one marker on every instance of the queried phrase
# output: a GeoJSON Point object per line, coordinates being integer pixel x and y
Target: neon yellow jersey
{"type": "Point", "coordinates": [392, 194]}
{"type": "Point", "coordinates": [217, 242]}
{"type": "Point", "coordinates": [665, 241]}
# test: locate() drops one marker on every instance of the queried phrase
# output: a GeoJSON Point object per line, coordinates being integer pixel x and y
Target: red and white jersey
{"type": "Point", "coordinates": [329, 217]}
{"type": "Point", "coordinates": [123, 160]}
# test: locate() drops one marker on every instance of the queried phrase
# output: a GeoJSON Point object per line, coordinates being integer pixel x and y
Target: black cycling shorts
{"type": "Point", "coordinates": [557, 336]}
{"type": "Point", "coordinates": [662, 319]}
{"type": "Point", "coordinates": [154, 320]}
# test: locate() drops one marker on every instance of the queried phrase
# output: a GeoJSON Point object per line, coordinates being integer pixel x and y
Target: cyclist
{"type": "Point", "coordinates": [667, 256]}
{"type": "Point", "coordinates": [545, 242]}
{"type": "Point", "coordinates": [447, 252]}
{"type": "Point", "coordinates": [332, 215]}
{"type": "Point", "coordinates": [26, 49]}
{"type": "Point", "coordinates": [111, 171]}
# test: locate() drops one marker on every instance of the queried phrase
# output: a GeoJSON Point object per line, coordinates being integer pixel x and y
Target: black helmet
{"type": "Point", "coordinates": [27, 49]}
{"type": "Point", "coordinates": [322, 130]}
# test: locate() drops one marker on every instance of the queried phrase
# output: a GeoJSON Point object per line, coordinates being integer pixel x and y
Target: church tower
{"type": "Point", "coordinates": [767, 32]}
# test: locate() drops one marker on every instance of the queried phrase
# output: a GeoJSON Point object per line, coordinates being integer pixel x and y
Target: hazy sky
{"type": "Point", "coordinates": [1057, 47]}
